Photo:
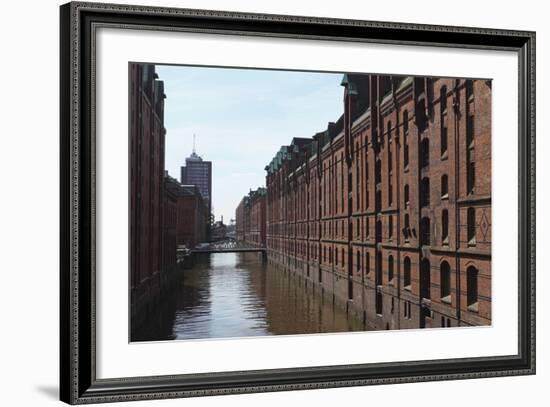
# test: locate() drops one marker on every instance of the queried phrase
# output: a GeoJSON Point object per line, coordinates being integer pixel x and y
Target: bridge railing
{"type": "Point", "coordinates": [228, 246]}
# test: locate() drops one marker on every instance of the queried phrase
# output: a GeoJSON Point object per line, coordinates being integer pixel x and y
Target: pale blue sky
{"type": "Point", "coordinates": [241, 118]}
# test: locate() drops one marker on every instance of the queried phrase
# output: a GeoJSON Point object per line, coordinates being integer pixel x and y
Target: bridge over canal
{"type": "Point", "coordinates": [229, 246]}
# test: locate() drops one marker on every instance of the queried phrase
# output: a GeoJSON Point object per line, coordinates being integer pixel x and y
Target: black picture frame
{"type": "Point", "coordinates": [78, 382]}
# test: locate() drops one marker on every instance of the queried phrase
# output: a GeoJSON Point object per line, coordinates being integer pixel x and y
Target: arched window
{"type": "Point", "coordinates": [469, 89]}
{"type": "Point", "coordinates": [443, 121]}
{"type": "Point", "coordinates": [470, 152]}
{"type": "Point", "coordinates": [444, 186]}
{"type": "Point", "coordinates": [407, 228]}
{"type": "Point", "coordinates": [420, 112]}
{"type": "Point", "coordinates": [407, 273]}
{"type": "Point", "coordinates": [471, 286]}
{"type": "Point", "coordinates": [445, 226]}
{"type": "Point", "coordinates": [378, 265]}
{"type": "Point", "coordinates": [471, 176]}
{"type": "Point", "coordinates": [445, 281]}
{"type": "Point", "coordinates": [390, 226]}
{"type": "Point", "coordinates": [357, 180]}
{"type": "Point", "coordinates": [407, 199]}
{"type": "Point", "coordinates": [471, 225]}
{"type": "Point", "coordinates": [342, 257]}
{"type": "Point", "coordinates": [390, 191]}
{"type": "Point", "coordinates": [358, 262]}
{"type": "Point", "coordinates": [390, 269]}
{"type": "Point", "coordinates": [390, 158]}
{"type": "Point", "coordinates": [366, 177]}
{"type": "Point", "coordinates": [425, 192]}
{"type": "Point", "coordinates": [424, 153]}
{"type": "Point", "coordinates": [425, 235]}
{"type": "Point", "coordinates": [443, 99]}
{"type": "Point", "coordinates": [367, 263]}
{"type": "Point", "coordinates": [406, 138]}
{"type": "Point", "coordinates": [425, 280]}
{"type": "Point", "coordinates": [430, 95]}
{"type": "Point", "coordinates": [444, 137]}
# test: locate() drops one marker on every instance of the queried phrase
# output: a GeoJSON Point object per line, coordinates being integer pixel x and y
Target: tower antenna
{"type": "Point", "coordinates": [194, 150]}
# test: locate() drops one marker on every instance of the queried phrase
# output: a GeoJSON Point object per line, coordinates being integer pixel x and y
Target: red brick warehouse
{"type": "Point", "coordinates": [147, 199]}
{"type": "Point", "coordinates": [250, 218]}
{"type": "Point", "coordinates": [164, 214]}
{"type": "Point", "coordinates": [189, 223]}
{"type": "Point", "coordinates": [388, 211]}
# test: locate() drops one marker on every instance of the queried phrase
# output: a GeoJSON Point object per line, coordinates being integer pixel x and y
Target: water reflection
{"type": "Point", "coordinates": [236, 295]}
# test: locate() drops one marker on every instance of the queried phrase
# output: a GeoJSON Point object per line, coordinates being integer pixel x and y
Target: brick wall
{"type": "Point", "coordinates": [388, 211]}
{"type": "Point", "coordinates": [250, 218]}
{"type": "Point", "coordinates": [146, 136]}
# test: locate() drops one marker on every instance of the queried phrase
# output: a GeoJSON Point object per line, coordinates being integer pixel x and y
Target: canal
{"type": "Point", "coordinates": [237, 295]}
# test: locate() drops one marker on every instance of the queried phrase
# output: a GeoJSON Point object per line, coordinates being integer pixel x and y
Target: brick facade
{"type": "Point", "coordinates": [191, 215]}
{"type": "Point", "coordinates": [170, 223]}
{"type": "Point", "coordinates": [388, 211]}
{"type": "Point", "coordinates": [163, 213]}
{"type": "Point", "coordinates": [250, 218]}
{"type": "Point", "coordinates": [147, 133]}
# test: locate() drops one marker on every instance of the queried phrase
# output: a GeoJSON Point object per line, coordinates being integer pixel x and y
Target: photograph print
{"type": "Point", "coordinates": [277, 202]}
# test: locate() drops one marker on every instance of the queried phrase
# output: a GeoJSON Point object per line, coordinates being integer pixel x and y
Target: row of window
{"type": "Point", "coordinates": [424, 188]}
{"type": "Point", "coordinates": [424, 150]}
{"type": "Point", "coordinates": [444, 280]}
{"type": "Point", "coordinates": [425, 275]}
{"type": "Point", "coordinates": [425, 279]}
{"type": "Point", "coordinates": [425, 228]}
{"type": "Point", "coordinates": [425, 144]}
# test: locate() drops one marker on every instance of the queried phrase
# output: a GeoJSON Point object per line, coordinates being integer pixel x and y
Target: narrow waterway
{"type": "Point", "coordinates": [236, 295]}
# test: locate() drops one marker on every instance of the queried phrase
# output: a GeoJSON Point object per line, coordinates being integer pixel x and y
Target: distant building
{"type": "Point", "coordinates": [231, 231]}
{"type": "Point", "coordinates": [192, 216]}
{"type": "Point", "coordinates": [240, 220]}
{"type": "Point", "coordinates": [171, 186]}
{"type": "Point", "coordinates": [146, 135]}
{"type": "Point", "coordinates": [199, 172]}
{"type": "Point", "coordinates": [250, 218]}
{"type": "Point", "coordinates": [218, 231]}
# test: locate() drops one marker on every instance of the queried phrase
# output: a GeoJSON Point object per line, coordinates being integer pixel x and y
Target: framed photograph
{"type": "Point", "coordinates": [254, 203]}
